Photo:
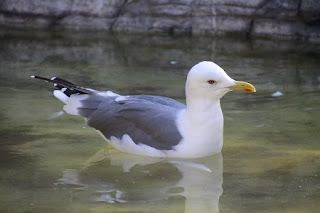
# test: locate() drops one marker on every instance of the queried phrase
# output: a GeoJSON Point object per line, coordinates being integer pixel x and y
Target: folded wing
{"type": "Point", "coordinates": [149, 120]}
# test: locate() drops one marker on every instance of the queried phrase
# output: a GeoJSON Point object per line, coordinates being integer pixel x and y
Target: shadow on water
{"type": "Point", "coordinates": [271, 146]}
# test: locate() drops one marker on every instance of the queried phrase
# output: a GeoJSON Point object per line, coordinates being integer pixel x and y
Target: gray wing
{"type": "Point", "coordinates": [149, 120]}
{"type": "Point", "coordinates": [161, 100]}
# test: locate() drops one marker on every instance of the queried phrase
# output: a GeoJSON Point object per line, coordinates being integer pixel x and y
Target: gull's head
{"type": "Point", "coordinates": [207, 80]}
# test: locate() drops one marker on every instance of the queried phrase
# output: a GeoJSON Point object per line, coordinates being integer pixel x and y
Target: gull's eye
{"type": "Point", "coordinates": [211, 82]}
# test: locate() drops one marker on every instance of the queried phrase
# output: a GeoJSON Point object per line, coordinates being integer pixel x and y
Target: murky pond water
{"type": "Point", "coordinates": [271, 156]}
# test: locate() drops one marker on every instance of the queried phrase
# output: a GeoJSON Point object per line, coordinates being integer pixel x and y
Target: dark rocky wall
{"type": "Point", "coordinates": [286, 19]}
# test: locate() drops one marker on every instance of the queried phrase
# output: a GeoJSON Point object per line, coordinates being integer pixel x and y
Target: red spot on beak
{"type": "Point", "coordinates": [248, 90]}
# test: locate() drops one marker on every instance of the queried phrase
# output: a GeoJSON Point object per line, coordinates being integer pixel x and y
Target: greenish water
{"type": "Point", "coordinates": [271, 156]}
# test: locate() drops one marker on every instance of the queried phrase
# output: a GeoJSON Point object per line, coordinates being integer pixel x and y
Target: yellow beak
{"type": "Point", "coordinates": [244, 86]}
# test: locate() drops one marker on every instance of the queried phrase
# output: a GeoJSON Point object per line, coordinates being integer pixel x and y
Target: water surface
{"type": "Point", "coordinates": [271, 154]}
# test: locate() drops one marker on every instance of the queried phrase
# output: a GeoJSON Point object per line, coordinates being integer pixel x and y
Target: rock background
{"type": "Point", "coordinates": [285, 19]}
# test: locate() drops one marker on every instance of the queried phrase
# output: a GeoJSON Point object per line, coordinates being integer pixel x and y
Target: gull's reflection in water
{"type": "Point", "coordinates": [111, 176]}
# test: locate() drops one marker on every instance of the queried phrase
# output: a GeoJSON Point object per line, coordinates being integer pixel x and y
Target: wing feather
{"type": "Point", "coordinates": [150, 120]}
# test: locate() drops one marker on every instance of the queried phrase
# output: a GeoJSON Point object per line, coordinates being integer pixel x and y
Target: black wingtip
{"type": "Point", "coordinates": [41, 78]}
{"type": "Point", "coordinates": [60, 83]}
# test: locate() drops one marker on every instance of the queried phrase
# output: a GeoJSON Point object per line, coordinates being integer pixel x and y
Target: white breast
{"type": "Point", "coordinates": [202, 133]}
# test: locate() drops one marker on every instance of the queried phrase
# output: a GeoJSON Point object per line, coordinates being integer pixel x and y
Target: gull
{"type": "Point", "coordinates": [157, 126]}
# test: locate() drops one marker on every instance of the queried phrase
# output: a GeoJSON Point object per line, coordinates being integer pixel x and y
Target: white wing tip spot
{"type": "Point", "coordinates": [121, 98]}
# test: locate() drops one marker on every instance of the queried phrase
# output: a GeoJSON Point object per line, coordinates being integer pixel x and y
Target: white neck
{"type": "Point", "coordinates": [199, 105]}
{"type": "Point", "coordinates": [201, 125]}
{"type": "Point", "coordinates": [202, 112]}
